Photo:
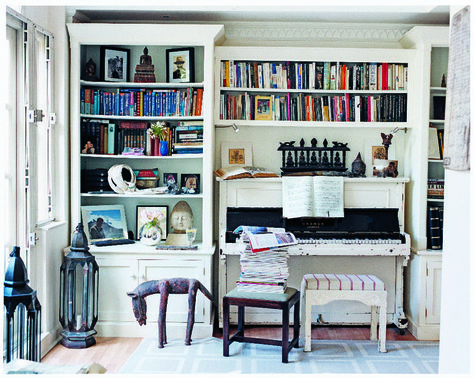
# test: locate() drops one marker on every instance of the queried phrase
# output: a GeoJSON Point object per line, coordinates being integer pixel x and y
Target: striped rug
{"type": "Point", "coordinates": [204, 356]}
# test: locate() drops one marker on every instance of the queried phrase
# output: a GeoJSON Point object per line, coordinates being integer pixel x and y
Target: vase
{"type": "Point", "coordinates": [151, 235]}
{"type": "Point", "coordinates": [164, 148]}
{"type": "Point", "coordinates": [156, 147]}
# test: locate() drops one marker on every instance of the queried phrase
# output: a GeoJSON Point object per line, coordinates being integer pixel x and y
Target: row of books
{"type": "Point", "coordinates": [344, 108]}
{"type": "Point", "coordinates": [435, 188]}
{"type": "Point", "coordinates": [107, 138]}
{"type": "Point", "coordinates": [314, 75]}
{"type": "Point", "coordinates": [142, 102]}
{"type": "Point", "coordinates": [435, 227]}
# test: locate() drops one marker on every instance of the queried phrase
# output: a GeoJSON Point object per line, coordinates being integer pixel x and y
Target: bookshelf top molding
{"type": "Point", "coordinates": [315, 54]}
{"type": "Point", "coordinates": [157, 34]}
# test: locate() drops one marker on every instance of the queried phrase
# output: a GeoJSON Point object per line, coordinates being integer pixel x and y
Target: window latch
{"type": "Point", "coordinates": [35, 115]}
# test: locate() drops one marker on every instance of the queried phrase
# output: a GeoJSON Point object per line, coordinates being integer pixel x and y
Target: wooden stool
{"type": "Point", "coordinates": [320, 289]}
{"type": "Point", "coordinates": [283, 302]}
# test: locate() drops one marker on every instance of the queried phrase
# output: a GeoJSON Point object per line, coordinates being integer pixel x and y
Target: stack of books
{"type": "Point", "coordinates": [264, 259]}
{"type": "Point", "coordinates": [189, 137]}
{"type": "Point", "coordinates": [435, 188]}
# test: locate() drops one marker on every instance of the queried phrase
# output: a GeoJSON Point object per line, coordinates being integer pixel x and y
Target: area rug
{"type": "Point", "coordinates": [204, 356]}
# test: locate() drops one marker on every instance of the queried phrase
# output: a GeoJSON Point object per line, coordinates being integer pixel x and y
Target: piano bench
{"type": "Point", "coordinates": [284, 302]}
{"type": "Point", "coordinates": [320, 289]}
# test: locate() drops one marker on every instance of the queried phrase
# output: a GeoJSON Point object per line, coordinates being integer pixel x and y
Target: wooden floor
{"type": "Point", "coordinates": [113, 352]}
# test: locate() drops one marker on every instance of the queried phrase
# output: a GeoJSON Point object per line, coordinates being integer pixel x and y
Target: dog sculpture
{"type": "Point", "coordinates": [166, 287]}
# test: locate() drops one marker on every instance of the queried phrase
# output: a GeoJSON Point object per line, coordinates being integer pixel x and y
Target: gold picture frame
{"type": "Point", "coordinates": [236, 154]}
{"type": "Point", "coordinates": [263, 108]}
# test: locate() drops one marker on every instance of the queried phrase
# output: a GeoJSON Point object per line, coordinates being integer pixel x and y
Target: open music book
{"type": "Point", "coordinates": [313, 196]}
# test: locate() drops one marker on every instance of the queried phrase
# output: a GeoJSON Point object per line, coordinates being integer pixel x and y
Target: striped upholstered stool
{"type": "Point", "coordinates": [320, 289]}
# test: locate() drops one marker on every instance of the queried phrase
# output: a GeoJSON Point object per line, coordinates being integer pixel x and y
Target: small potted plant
{"type": "Point", "coordinates": [158, 132]}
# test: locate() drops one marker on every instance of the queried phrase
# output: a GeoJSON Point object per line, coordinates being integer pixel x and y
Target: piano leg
{"type": "Point", "coordinates": [399, 318]}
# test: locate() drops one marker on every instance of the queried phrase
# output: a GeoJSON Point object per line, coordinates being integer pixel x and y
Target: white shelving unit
{"type": "Point", "coordinates": [424, 269]}
{"type": "Point", "coordinates": [123, 267]}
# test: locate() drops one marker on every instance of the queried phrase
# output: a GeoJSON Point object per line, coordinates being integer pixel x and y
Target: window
{"type": "Point", "coordinates": [28, 141]}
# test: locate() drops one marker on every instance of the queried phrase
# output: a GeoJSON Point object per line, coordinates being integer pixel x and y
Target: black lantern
{"type": "Point", "coordinates": [79, 294]}
{"type": "Point", "coordinates": [22, 337]}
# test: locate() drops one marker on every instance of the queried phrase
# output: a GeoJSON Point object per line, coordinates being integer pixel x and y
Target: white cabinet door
{"type": "Point", "coordinates": [161, 268]}
{"type": "Point", "coordinates": [117, 276]}
{"type": "Point", "coordinates": [433, 291]}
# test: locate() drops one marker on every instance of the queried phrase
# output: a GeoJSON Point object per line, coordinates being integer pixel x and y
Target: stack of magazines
{"type": "Point", "coordinates": [264, 259]}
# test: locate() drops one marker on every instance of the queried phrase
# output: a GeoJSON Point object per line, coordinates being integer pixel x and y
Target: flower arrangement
{"type": "Point", "coordinates": [151, 217]}
{"type": "Point", "coordinates": [157, 130]}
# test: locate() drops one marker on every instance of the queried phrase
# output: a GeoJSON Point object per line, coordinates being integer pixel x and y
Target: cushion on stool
{"type": "Point", "coordinates": [363, 282]}
{"type": "Point", "coordinates": [263, 296]}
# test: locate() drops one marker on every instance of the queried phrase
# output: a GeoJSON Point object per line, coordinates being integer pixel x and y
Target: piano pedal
{"type": "Point", "coordinates": [320, 320]}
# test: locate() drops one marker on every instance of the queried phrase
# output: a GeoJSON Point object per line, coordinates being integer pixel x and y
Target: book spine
{"type": "Point", "coordinates": [434, 228]}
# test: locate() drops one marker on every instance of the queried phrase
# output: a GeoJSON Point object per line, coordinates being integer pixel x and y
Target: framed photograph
{"type": "Point", "coordinates": [170, 179]}
{"type": "Point", "coordinates": [146, 214]}
{"type": "Point", "coordinates": [180, 65]}
{"type": "Point", "coordinates": [190, 183]}
{"type": "Point", "coordinates": [236, 154]}
{"type": "Point", "coordinates": [114, 62]}
{"type": "Point", "coordinates": [263, 108]}
{"type": "Point", "coordinates": [104, 222]}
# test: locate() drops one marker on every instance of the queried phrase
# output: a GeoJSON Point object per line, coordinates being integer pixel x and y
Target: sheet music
{"type": "Point", "coordinates": [313, 196]}
{"type": "Point", "coordinates": [297, 196]}
{"type": "Point", "coordinates": [328, 197]}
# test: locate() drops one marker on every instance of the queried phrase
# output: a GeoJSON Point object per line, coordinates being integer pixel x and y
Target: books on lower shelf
{"type": "Point", "coordinates": [231, 173]}
{"type": "Point", "coordinates": [435, 188]}
{"type": "Point", "coordinates": [264, 259]}
{"type": "Point", "coordinates": [435, 227]}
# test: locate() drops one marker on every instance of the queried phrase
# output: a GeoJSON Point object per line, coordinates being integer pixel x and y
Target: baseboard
{"type": "Point", "coordinates": [132, 329]}
{"type": "Point", "coordinates": [49, 340]}
{"type": "Point", "coordinates": [425, 332]}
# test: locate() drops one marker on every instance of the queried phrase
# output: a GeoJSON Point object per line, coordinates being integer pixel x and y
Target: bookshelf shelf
{"type": "Point", "coordinates": [138, 118]}
{"type": "Point", "coordinates": [312, 124]}
{"type": "Point", "coordinates": [111, 84]}
{"type": "Point", "coordinates": [142, 157]}
{"type": "Point", "coordinates": [313, 91]}
{"type": "Point", "coordinates": [150, 196]}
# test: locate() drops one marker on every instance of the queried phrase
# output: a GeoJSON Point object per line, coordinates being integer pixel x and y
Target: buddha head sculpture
{"type": "Point", "coordinates": [181, 217]}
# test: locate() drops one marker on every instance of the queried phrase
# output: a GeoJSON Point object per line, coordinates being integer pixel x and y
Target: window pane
{"type": "Point", "coordinates": [43, 137]}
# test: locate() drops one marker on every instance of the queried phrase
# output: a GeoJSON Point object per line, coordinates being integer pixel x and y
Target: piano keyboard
{"type": "Point", "coordinates": [348, 241]}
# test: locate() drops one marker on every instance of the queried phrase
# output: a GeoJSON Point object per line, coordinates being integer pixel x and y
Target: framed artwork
{"type": "Point", "coordinates": [263, 108]}
{"type": "Point", "coordinates": [170, 179]}
{"type": "Point", "coordinates": [190, 183]}
{"type": "Point", "coordinates": [180, 65]}
{"type": "Point", "coordinates": [104, 222]}
{"type": "Point", "coordinates": [236, 154]}
{"type": "Point", "coordinates": [146, 214]}
{"type": "Point", "coordinates": [114, 62]}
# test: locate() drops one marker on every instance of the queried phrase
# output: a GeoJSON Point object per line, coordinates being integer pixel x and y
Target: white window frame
{"type": "Point", "coordinates": [28, 180]}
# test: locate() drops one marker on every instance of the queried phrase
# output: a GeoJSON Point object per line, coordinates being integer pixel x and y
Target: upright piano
{"type": "Point", "coordinates": [368, 239]}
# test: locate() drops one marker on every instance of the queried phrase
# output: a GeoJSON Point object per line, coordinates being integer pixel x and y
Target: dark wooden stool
{"type": "Point", "coordinates": [283, 302]}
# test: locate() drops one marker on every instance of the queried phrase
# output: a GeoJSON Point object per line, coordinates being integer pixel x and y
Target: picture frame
{"type": "Point", "coordinates": [146, 213]}
{"type": "Point", "coordinates": [112, 226]}
{"type": "Point", "coordinates": [114, 63]}
{"type": "Point", "coordinates": [263, 108]}
{"type": "Point", "coordinates": [180, 65]}
{"type": "Point", "coordinates": [190, 183]}
{"type": "Point", "coordinates": [236, 154]}
{"type": "Point", "coordinates": [170, 179]}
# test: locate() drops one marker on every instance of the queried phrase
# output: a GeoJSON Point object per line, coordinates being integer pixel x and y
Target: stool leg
{"type": "Point", "coordinates": [241, 320]}
{"type": "Point", "coordinates": [296, 324]}
{"type": "Point", "coordinates": [383, 325]}
{"type": "Point", "coordinates": [284, 333]}
{"type": "Point", "coordinates": [373, 323]}
{"type": "Point", "coordinates": [307, 325]}
{"type": "Point", "coordinates": [302, 307]}
{"type": "Point", "coordinates": [225, 327]}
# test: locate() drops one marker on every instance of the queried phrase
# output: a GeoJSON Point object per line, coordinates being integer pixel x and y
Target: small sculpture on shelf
{"type": "Point", "coordinates": [386, 142]}
{"type": "Point", "coordinates": [443, 81]}
{"type": "Point", "coordinates": [89, 71]}
{"type": "Point", "coordinates": [181, 219]}
{"type": "Point", "coordinates": [358, 167]}
{"type": "Point", "coordinates": [145, 71]}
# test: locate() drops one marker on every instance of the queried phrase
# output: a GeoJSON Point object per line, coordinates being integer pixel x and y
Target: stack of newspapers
{"type": "Point", "coordinates": [264, 259]}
